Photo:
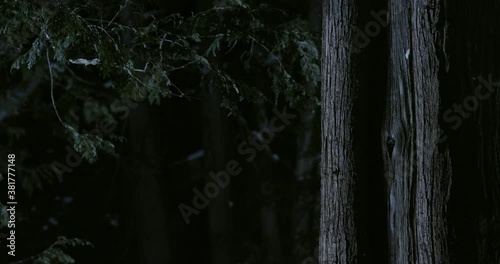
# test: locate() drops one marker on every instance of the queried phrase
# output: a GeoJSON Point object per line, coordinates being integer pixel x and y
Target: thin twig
{"type": "Point", "coordinates": [232, 47]}
{"type": "Point", "coordinates": [270, 53]}
{"type": "Point", "coordinates": [175, 86]}
{"type": "Point", "coordinates": [78, 78]}
{"type": "Point", "coordinates": [52, 90]}
{"type": "Point", "coordinates": [105, 32]}
{"type": "Point", "coordinates": [182, 66]}
{"type": "Point", "coordinates": [161, 47]}
{"type": "Point", "coordinates": [142, 70]}
{"type": "Point", "coordinates": [117, 13]}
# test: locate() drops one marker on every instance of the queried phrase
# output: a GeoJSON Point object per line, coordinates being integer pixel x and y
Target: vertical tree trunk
{"type": "Point", "coordinates": [144, 169]}
{"type": "Point", "coordinates": [417, 171]}
{"type": "Point", "coordinates": [431, 71]}
{"type": "Point", "coordinates": [216, 158]}
{"type": "Point", "coordinates": [302, 214]}
{"type": "Point", "coordinates": [474, 134]}
{"type": "Point", "coordinates": [269, 216]}
{"type": "Point", "coordinates": [302, 217]}
{"type": "Point", "coordinates": [150, 217]}
{"type": "Point", "coordinates": [337, 226]}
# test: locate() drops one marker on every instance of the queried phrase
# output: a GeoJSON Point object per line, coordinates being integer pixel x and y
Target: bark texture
{"type": "Point", "coordinates": [337, 222]}
{"type": "Point", "coordinates": [417, 170]}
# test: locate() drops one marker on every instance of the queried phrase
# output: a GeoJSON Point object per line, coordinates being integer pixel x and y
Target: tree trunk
{"type": "Point", "coordinates": [269, 216]}
{"type": "Point", "coordinates": [439, 121]}
{"type": "Point", "coordinates": [215, 141]}
{"type": "Point", "coordinates": [302, 218]}
{"type": "Point", "coordinates": [338, 233]}
{"type": "Point", "coordinates": [473, 135]}
{"type": "Point", "coordinates": [216, 158]}
{"type": "Point", "coordinates": [417, 170]}
{"type": "Point", "coordinates": [144, 170]}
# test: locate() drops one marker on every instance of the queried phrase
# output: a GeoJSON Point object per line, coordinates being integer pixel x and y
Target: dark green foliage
{"type": "Point", "coordinates": [86, 55]}
{"type": "Point", "coordinates": [90, 48]}
{"type": "Point", "coordinates": [55, 254]}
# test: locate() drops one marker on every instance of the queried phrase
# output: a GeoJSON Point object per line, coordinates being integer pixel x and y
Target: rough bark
{"type": "Point", "coordinates": [417, 171]}
{"type": "Point", "coordinates": [337, 226]}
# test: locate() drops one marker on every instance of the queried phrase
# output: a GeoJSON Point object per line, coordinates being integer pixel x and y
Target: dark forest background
{"type": "Point", "coordinates": [125, 194]}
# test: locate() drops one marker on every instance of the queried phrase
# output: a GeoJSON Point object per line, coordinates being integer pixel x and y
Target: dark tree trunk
{"type": "Point", "coordinates": [437, 124]}
{"type": "Point", "coordinates": [215, 141]}
{"type": "Point", "coordinates": [215, 145]}
{"type": "Point", "coordinates": [417, 164]}
{"type": "Point", "coordinates": [303, 217]}
{"type": "Point", "coordinates": [269, 216]}
{"type": "Point", "coordinates": [338, 243]}
{"type": "Point", "coordinates": [417, 170]}
{"type": "Point", "coordinates": [473, 135]}
{"type": "Point", "coordinates": [144, 154]}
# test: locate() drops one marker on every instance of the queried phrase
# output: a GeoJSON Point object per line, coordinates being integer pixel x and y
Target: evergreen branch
{"type": "Point", "coordinates": [106, 32]}
{"type": "Point", "coordinates": [182, 66]}
{"type": "Point", "coordinates": [175, 86]}
{"type": "Point", "coordinates": [26, 260]}
{"type": "Point", "coordinates": [277, 59]}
